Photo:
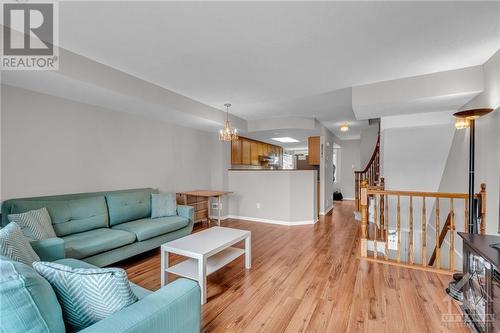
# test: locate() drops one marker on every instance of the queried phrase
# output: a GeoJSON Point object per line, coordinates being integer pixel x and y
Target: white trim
{"type": "Point", "coordinates": [350, 199]}
{"type": "Point", "coordinates": [327, 211]}
{"type": "Point", "coordinates": [261, 220]}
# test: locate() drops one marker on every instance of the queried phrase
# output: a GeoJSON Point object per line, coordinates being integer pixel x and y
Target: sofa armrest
{"type": "Point", "coordinates": [173, 308]}
{"type": "Point", "coordinates": [49, 249]}
{"type": "Point", "coordinates": [186, 211]}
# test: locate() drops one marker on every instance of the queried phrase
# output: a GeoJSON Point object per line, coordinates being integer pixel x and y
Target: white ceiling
{"type": "Point", "coordinates": [281, 59]}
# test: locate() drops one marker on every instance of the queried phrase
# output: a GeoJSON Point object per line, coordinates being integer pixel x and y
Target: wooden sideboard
{"type": "Point", "coordinates": [246, 151]}
{"type": "Point", "coordinates": [200, 201]}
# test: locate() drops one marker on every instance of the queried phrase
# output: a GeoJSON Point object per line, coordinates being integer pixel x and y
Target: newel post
{"type": "Point", "coordinates": [364, 217]}
{"type": "Point", "coordinates": [483, 209]}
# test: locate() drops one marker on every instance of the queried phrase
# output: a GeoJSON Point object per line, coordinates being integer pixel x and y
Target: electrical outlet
{"type": "Point", "coordinates": [258, 205]}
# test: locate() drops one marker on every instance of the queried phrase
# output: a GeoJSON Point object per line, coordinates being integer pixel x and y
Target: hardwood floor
{"type": "Point", "coordinates": [309, 279]}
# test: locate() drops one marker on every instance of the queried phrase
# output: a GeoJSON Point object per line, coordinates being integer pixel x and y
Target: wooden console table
{"type": "Point", "coordinates": [200, 200]}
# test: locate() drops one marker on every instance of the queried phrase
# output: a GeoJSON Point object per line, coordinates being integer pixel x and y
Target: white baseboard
{"type": "Point", "coordinates": [327, 211]}
{"type": "Point", "coordinates": [261, 220]}
{"type": "Point", "coordinates": [350, 199]}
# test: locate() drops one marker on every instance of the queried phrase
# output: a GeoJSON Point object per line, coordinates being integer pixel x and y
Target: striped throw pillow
{"type": "Point", "coordinates": [35, 224]}
{"type": "Point", "coordinates": [87, 295]}
{"type": "Point", "coordinates": [14, 245]}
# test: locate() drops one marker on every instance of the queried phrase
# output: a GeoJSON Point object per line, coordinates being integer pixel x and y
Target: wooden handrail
{"type": "Point", "coordinates": [375, 190]}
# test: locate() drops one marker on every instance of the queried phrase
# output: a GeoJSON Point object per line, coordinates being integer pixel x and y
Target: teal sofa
{"type": "Point", "coordinates": [104, 227]}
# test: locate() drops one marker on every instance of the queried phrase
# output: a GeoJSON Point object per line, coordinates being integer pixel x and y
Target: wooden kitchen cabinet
{"type": "Point", "coordinates": [265, 149]}
{"type": "Point", "coordinates": [246, 158]}
{"type": "Point", "coordinates": [247, 151]}
{"type": "Point", "coordinates": [254, 153]}
{"type": "Point", "coordinates": [236, 152]}
{"type": "Point", "coordinates": [314, 150]}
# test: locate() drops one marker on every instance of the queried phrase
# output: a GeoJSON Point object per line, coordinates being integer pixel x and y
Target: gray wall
{"type": "Point", "coordinates": [368, 141]}
{"type": "Point", "coordinates": [349, 162]}
{"type": "Point", "coordinates": [53, 146]}
{"type": "Point", "coordinates": [487, 148]}
{"type": "Point", "coordinates": [414, 158]}
{"type": "Point", "coordinates": [326, 171]}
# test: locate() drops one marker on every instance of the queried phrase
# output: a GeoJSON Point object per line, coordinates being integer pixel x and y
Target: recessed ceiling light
{"type": "Point", "coordinates": [285, 139]}
{"type": "Point", "coordinates": [344, 127]}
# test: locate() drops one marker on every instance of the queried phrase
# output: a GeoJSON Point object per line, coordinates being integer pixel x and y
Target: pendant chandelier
{"type": "Point", "coordinates": [228, 133]}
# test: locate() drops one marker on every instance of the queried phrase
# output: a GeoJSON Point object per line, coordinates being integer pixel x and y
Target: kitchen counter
{"type": "Point", "coordinates": [287, 197]}
{"type": "Point", "coordinates": [267, 170]}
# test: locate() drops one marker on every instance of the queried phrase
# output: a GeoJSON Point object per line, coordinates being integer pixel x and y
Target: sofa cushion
{"type": "Point", "coordinates": [28, 302]}
{"type": "Point", "coordinates": [139, 291]}
{"type": "Point", "coordinates": [15, 246]}
{"type": "Point", "coordinates": [95, 241]}
{"type": "Point", "coordinates": [36, 224]}
{"type": "Point", "coordinates": [128, 206]}
{"type": "Point", "coordinates": [163, 204]}
{"type": "Point", "coordinates": [69, 216]}
{"type": "Point", "coordinates": [148, 228]}
{"type": "Point", "coordinates": [87, 295]}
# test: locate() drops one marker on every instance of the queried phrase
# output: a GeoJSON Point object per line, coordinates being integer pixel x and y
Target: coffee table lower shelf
{"type": "Point", "coordinates": [189, 267]}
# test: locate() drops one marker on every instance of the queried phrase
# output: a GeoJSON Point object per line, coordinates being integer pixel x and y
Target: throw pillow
{"type": "Point", "coordinates": [87, 295]}
{"type": "Point", "coordinates": [163, 204]}
{"type": "Point", "coordinates": [14, 245]}
{"type": "Point", "coordinates": [35, 224]}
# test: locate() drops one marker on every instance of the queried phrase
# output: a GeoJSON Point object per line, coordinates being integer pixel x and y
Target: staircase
{"type": "Point", "coordinates": [405, 222]}
{"type": "Point", "coordinates": [371, 173]}
{"type": "Point", "coordinates": [411, 228]}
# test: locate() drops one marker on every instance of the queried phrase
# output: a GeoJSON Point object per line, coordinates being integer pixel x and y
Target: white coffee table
{"type": "Point", "coordinates": [208, 251]}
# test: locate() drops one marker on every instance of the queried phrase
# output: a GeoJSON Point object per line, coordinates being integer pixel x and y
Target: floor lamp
{"type": "Point", "coordinates": [467, 119]}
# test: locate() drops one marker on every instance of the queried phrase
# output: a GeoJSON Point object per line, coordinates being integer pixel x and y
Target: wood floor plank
{"type": "Point", "coordinates": [310, 279]}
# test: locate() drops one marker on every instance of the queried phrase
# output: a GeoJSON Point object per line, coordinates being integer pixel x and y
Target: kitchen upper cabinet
{"type": "Point", "coordinates": [265, 150]}
{"type": "Point", "coordinates": [254, 153]}
{"type": "Point", "coordinates": [236, 152]}
{"type": "Point", "coordinates": [260, 147]}
{"type": "Point", "coordinates": [245, 152]}
{"type": "Point", "coordinates": [314, 150]}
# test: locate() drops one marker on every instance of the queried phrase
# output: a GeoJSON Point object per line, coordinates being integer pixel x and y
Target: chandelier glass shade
{"type": "Point", "coordinates": [228, 133]}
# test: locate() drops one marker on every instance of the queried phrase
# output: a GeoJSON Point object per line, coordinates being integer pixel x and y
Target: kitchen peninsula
{"type": "Point", "coordinates": [264, 191]}
{"type": "Point", "coordinates": [274, 196]}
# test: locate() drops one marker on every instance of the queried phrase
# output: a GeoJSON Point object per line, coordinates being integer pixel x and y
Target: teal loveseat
{"type": "Point", "coordinates": [29, 305]}
{"type": "Point", "coordinates": [104, 227]}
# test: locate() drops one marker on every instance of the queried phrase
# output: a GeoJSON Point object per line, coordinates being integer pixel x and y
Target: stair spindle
{"type": "Point", "coordinates": [452, 236]}
{"type": "Point", "coordinates": [411, 230]}
{"type": "Point", "coordinates": [424, 234]}
{"type": "Point", "coordinates": [482, 209]}
{"type": "Point", "coordinates": [438, 228]}
{"type": "Point", "coordinates": [386, 222]}
{"type": "Point", "coordinates": [399, 228]}
{"type": "Point", "coordinates": [375, 228]}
